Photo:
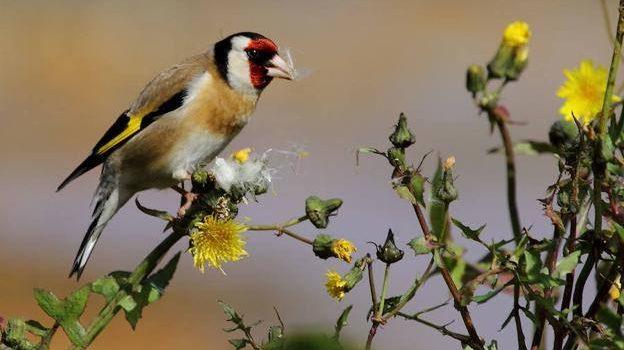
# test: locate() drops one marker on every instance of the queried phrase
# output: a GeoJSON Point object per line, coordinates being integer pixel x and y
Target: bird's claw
{"type": "Point", "coordinates": [189, 198]}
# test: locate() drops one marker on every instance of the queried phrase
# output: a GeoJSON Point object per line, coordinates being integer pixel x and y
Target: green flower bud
{"type": "Point", "coordinates": [447, 192]}
{"type": "Point", "coordinates": [475, 79]}
{"type": "Point", "coordinates": [518, 64]}
{"type": "Point", "coordinates": [200, 176]}
{"type": "Point", "coordinates": [322, 246]}
{"type": "Point", "coordinates": [389, 252]}
{"type": "Point", "coordinates": [502, 61]}
{"type": "Point", "coordinates": [319, 210]}
{"type": "Point", "coordinates": [353, 277]}
{"type": "Point", "coordinates": [402, 137]}
{"type": "Point", "coordinates": [396, 157]}
{"type": "Point", "coordinates": [563, 133]}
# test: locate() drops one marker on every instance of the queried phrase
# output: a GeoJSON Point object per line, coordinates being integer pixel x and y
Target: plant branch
{"type": "Point", "coordinates": [142, 270]}
{"type": "Point", "coordinates": [410, 292]}
{"type": "Point", "coordinates": [463, 338]}
{"type": "Point", "coordinates": [512, 201]}
{"type": "Point", "coordinates": [475, 340]}
{"type": "Point", "coordinates": [282, 229]}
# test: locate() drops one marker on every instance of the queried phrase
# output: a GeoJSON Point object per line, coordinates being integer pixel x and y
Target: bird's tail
{"type": "Point", "coordinates": [109, 200]}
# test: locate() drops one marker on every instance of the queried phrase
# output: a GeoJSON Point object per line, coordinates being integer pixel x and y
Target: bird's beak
{"type": "Point", "coordinates": [278, 68]}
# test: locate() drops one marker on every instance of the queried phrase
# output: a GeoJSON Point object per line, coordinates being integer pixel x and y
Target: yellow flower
{"type": "Point", "coordinates": [335, 285]}
{"type": "Point", "coordinates": [614, 291]}
{"type": "Point", "coordinates": [217, 241]}
{"type": "Point", "coordinates": [517, 34]}
{"type": "Point", "coordinates": [583, 92]}
{"type": "Point", "coordinates": [242, 155]}
{"type": "Point", "coordinates": [343, 249]}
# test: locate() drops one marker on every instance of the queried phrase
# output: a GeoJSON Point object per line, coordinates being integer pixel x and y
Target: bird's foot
{"type": "Point", "coordinates": [189, 198]}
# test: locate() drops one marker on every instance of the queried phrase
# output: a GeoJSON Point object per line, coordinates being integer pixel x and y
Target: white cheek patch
{"type": "Point", "coordinates": [239, 75]}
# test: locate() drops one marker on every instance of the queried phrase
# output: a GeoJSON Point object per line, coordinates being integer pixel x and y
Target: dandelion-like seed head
{"type": "Point", "coordinates": [343, 249]}
{"type": "Point", "coordinates": [583, 92]}
{"type": "Point", "coordinates": [517, 34]}
{"type": "Point", "coordinates": [335, 285]}
{"type": "Point", "coordinates": [216, 241]}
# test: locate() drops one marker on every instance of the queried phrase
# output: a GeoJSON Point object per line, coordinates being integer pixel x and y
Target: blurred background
{"type": "Point", "coordinates": [68, 68]}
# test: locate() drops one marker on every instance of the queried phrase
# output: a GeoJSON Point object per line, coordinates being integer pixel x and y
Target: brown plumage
{"type": "Point", "coordinates": [180, 121]}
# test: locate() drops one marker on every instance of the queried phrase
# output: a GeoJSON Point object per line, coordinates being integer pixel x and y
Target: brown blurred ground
{"type": "Point", "coordinates": [67, 68]}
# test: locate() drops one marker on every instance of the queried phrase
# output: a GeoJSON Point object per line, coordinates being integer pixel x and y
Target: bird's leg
{"type": "Point", "coordinates": [188, 198]}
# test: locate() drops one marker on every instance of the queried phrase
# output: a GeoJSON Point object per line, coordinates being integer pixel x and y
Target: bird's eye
{"type": "Point", "coordinates": [252, 54]}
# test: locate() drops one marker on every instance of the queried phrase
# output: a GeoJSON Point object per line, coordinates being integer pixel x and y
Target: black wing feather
{"type": "Point", "coordinates": [95, 159]}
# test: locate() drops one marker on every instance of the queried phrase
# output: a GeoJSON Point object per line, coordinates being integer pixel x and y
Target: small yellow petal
{"type": "Point", "coordinates": [614, 291]}
{"type": "Point", "coordinates": [242, 155]}
{"type": "Point", "coordinates": [215, 242]}
{"type": "Point", "coordinates": [517, 34]}
{"type": "Point", "coordinates": [343, 249]}
{"type": "Point", "coordinates": [335, 285]}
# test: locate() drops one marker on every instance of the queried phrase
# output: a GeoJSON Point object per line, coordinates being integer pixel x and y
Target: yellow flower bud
{"type": "Point", "coordinates": [517, 34]}
{"type": "Point", "coordinates": [242, 155]}
{"type": "Point", "coordinates": [448, 163]}
{"type": "Point", "coordinates": [343, 249]}
{"type": "Point", "coordinates": [335, 285]}
{"type": "Point", "coordinates": [614, 291]}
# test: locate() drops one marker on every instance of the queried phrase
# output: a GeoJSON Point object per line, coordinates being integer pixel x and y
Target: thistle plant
{"type": "Point", "coordinates": [544, 280]}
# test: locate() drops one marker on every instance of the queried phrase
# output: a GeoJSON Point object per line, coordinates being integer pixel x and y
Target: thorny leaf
{"type": "Point", "coordinates": [467, 231]}
{"type": "Point", "coordinates": [150, 291]}
{"type": "Point", "coordinates": [342, 321]}
{"type": "Point", "coordinates": [67, 311]}
{"type": "Point", "coordinates": [528, 147]}
{"type": "Point", "coordinates": [419, 245]}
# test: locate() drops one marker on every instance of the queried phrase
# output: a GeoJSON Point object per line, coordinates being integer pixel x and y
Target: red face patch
{"type": "Point", "coordinates": [262, 44]}
{"type": "Point", "coordinates": [259, 52]}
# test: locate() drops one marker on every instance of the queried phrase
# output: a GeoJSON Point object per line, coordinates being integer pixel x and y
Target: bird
{"type": "Point", "coordinates": [181, 120]}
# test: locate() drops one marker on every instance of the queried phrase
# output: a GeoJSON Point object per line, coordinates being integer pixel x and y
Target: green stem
{"type": "Point", "coordinates": [47, 339]}
{"type": "Point", "coordinates": [512, 201]}
{"type": "Point", "coordinates": [282, 229]}
{"type": "Point", "coordinates": [409, 294]}
{"type": "Point", "coordinates": [145, 268]}
{"type": "Point", "coordinates": [384, 291]}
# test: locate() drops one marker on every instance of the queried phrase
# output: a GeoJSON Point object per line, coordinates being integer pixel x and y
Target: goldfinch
{"type": "Point", "coordinates": [180, 121]}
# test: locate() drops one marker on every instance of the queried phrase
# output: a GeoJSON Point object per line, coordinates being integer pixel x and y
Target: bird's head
{"type": "Point", "coordinates": [249, 62]}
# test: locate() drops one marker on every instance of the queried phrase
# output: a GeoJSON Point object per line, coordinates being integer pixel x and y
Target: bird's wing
{"type": "Point", "coordinates": [165, 93]}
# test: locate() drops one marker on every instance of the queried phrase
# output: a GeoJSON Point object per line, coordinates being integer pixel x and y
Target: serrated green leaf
{"type": "Point", "coordinates": [437, 208]}
{"type": "Point", "coordinates": [417, 187]}
{"type": "Point", "coordinates": [105, 286]}
{"type": "Point", "coordinates": [66, 312]}
{"type": "Point", "coordinates": [419, 245]}
{"type": "Point", "coordinates": [238, 343]}
{"type": "Point", "coordinates": [567, 264]}
{"type": "Point", "coordinates": [467, 231]}
{"type": "Point", "coordinates": [342, 321]}
{"type": "Point", "coordinates": [403, 192]}
{"type": "Point", "coordinates": [533, 264]}
{"type": "Point", "coordinates": [150, 291]}
{"type": "Point", "coordinates": [528, 148]}
{"type": "Point", "coordinates": [480, 299]}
